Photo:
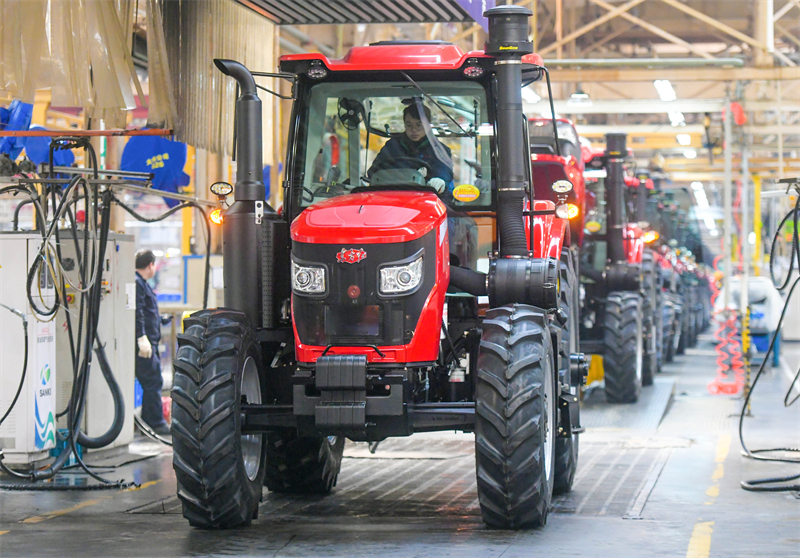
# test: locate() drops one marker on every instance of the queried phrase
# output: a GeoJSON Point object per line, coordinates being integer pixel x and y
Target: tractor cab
{"type": "Point", "coordinates": [557, 155]}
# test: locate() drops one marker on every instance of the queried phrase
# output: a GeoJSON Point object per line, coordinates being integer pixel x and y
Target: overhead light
{"type": "Point", "coordinates": [684, 139]}
{"type": "Point", "coordinates": [751, 238]}
{"type": "Point", "coordinates": [530, 96]}
{"type": "Point", "coordinates": [698, 186]}
{"type": "Point", "coordinates": [676, 118]}
{"type": "Point", "coordinates": [579, 98]}
{"type": "Point", "coordinates": [690, 154]}
{"type": "Point", "coordinates": [700, 196]}
{"type": "Point", "coordinates": [665, 90]}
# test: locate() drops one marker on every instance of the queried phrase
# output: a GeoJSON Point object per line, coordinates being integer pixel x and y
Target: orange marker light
{"type": "Point", "coordinates": [650, 236]}
{"type": "Point", "coordinates": [216, 216]}
{"type": "Point", "coordinates": [572, 210]}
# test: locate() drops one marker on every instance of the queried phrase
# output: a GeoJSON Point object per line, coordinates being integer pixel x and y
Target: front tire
{"type": "Point", "coordinates": [303, 465]}
{"type": "Point", "coordinates": [622, 359]}
{"type": "Point", "coordinates": [566, 457]}
{"type": "Point", "coordinates": [515, 417]}
{"type": "Point", "coordinates": [649, 306]}
{"type": "Point", "coordinates": [219, 470]}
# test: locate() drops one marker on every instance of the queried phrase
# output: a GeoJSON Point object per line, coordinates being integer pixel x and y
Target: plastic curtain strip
{"type": "Point", "coordinates": [162, 107]}
{"type": "Point", "coordinates": [80, 49]}
{"type": "Point", "coordinates": [195, 34]}
{"type": "Point", "coordinates": [24, 51]}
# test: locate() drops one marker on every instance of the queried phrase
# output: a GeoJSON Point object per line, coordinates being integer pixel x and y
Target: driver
{"type": "Point", "coordinates": [415, 143]}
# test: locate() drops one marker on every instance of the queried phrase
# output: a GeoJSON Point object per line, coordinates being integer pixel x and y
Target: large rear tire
{"type": "Point", "coordinates": [622, 359]}
{"type": "Point", "coordinates": [566, 460]}
{"type": "Point", "coordinates": [515, 417]}
{"type": "Point", "coordinates": [219, 470]}
{"type": "Point", "coordinates": [303, 465]}
{"type": "Point", "coordinates": [649, 305]}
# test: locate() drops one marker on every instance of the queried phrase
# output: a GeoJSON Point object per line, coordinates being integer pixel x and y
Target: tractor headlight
{"type": "Point", "coordinates": [401, 278]}
{"type": "Point", "coordinates": [308, 279]}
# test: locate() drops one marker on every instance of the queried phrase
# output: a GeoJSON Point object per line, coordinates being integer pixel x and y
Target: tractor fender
{"type": "Point", "coordinates": [549, 231]}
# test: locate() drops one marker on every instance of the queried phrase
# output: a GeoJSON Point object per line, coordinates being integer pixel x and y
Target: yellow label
{"type": "Point", "coordinates": [466, 193]}
{"type": "Point", "coordinates": [509, 48]}
{"type": "Point", "coordinates": [593, 226]}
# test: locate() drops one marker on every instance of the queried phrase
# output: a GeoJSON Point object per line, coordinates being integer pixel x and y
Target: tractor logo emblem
{"type": "Point", "coordinates": [351, 255]}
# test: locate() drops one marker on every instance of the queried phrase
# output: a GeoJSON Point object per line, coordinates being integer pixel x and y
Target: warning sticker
{"type": "Point", "coordinates": [466, 193]}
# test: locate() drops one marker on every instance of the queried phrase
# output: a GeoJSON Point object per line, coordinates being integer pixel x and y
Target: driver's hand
{"type": "Point", "coordinates": [437, 184]}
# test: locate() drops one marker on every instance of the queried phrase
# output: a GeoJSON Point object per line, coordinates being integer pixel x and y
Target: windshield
{"type": "Point", "coordinates": [387, 134]}
{"type": "Point", "coordinates": [543, 140]}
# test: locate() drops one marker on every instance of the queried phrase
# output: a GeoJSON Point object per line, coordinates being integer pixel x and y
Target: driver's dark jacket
{"type": "Point", "coordinates": [402, 146]}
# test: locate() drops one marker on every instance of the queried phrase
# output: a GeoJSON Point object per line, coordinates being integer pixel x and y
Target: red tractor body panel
{"type": "Point", "coordinates": [633, 237]}
{"type": "Point", "coordinates": [369, 217]}
{"type": "Point", "coordinates": [402, 57]}
{"type": "Point", "coordinates": [548, 231]}
{"type": "Point", "coordinates": [362, 223]}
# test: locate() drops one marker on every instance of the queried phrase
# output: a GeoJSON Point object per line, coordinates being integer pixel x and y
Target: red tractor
{"type": "Point", "coordinates": [349, 315]}
{"type": "Point", "coordinates": [619, 278]}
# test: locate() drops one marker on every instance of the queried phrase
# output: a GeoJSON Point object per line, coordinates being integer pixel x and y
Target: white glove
{"type": "Point", "coordinates": [145, 348]}
{"type": "Point", "coordinates": [437, 184]}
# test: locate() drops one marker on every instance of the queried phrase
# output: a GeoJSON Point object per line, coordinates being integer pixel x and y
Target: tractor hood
{"type": "Point", "coordinates": [375, 217]}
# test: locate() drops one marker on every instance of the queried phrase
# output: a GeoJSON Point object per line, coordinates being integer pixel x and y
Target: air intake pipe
{"type": "Point", "coordinates": [242, 234]}
{"type": "Point", "coordinates": [615, 195]}
{"type": "Point", "coordinates": [508, 42]}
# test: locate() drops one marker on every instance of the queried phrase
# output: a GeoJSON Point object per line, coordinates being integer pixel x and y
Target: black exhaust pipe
{"type": "Point", "coordinates": [616, 150]}
{"type": "Point", "coordinates": [247, 248]}
{"type": "Point", "coordinates": [249, 169]}
{"type": "Point", "coordinates": [508, 42]}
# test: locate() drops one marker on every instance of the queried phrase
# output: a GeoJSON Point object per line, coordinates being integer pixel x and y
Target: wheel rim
{"type": "Point", "coordinates": [252, 444]}
{"type": "Point", "coordinates": [549, 423]}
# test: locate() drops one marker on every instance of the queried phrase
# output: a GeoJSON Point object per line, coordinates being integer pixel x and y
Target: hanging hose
{"type": "Point", "coordinates": [763, 485]}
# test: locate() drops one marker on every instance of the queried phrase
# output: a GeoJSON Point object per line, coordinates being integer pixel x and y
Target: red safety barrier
{"type": "Point", "coordinates": [727, 348]}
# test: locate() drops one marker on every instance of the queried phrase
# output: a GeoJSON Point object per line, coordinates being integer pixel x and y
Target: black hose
{"type": "Point", "coordinates": [15, 221]}
{"type": "Point", "coordinates": [757, 485]}
{"type": "Point", "coordinates": [467, 280]}
{"type": "Point", "coordinates": [119, 404]}
{"type": "Point", "coordinates": [24, 361]}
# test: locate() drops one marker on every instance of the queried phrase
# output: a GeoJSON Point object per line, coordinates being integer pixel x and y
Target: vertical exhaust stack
{"type": "Point", "coordinates": [508, 42]}
{"type": "Point", "coordinates": [616, 149]}
{"type": "Point", "coordinates": [241, 229]}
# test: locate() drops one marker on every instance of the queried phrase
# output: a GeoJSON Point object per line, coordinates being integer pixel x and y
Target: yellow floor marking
{"type": "Point", "coordinates": [51, 515]}
{"type": "Point", "coordinates": [719, 472]}
{"type": "Point", "coordinates": [713, 491]}
{"type": "Point", "coordinates": [723, 447]}
{"type": "Point", "coordinates": [140, 487]}
{"type": "Point", "coordinates": [4, 532]}
{"type": "Point", "coordinates": [700, 543]}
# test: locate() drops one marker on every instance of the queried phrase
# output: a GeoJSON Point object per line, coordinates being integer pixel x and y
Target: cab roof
{"type": "Point", "coordinates": [401, 55]}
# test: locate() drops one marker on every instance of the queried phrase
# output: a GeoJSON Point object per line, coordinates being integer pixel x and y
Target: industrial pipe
{"type": "Point", "coordinates": [508, 42]}
{"type": "Point", "coordinates": [615, 195]}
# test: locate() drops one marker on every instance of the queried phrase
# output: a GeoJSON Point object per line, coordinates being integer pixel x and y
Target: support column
{"type": "Point", "coordinates": [727, 207]}
{"type": "Point", "coordinates": [764, 32]}
{"type": "Point", "coordinates": [745, 210]}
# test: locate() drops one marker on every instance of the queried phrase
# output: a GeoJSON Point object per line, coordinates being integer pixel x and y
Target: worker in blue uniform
{"type": "Point", "coordinates": [148, 334]}
{"type": "Point", "coordinates": [417, 142]}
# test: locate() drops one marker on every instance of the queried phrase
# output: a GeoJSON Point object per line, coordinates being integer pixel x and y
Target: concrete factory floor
{"type": "Point", "coordinates": [659, 478]}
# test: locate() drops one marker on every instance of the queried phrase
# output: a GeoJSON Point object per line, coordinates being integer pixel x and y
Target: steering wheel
{"type": "Point", "coordinates": [417, 163]}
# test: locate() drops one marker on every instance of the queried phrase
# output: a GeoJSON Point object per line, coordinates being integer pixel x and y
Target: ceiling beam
{"type": "Point", "coordinates": [673, 74]}
{"type": "Point", "coordinates": [654, 29]}
{"type": "Point", "coordinates": [716, 24]}
{"type": "Point", "coordinates": [589, 26]}
{"type": "Point", "coordinates": [655, 106]}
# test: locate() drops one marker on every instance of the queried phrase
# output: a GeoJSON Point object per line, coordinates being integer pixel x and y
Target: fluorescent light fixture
{"type": "Point", "coordinates": [698, 186]}
{"type": "Point", "coordinates": [579, 98]}
{"type": "Point", "coordinates": [700, 196]}
{"type": "Point", "coordinates": [751, 238]}
{"type": "Point", "coordinates": [690, 154]}
{"type": "Point", "coordinates": [676, 118]}
{"type": "Point", "coordinates": [530, 96]}
{"type": "Point", "coordinates": [665, 90]}
{"type": "Point", "coordinates": [684, 139]}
